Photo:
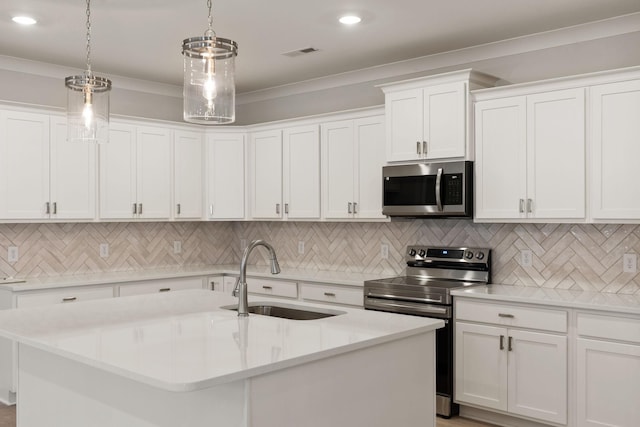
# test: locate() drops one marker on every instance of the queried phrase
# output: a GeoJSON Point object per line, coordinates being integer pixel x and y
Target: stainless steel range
{"type": "Point", "coordinates": [425, 290]}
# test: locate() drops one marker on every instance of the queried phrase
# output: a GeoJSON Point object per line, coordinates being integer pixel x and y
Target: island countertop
{"type": "Point", "coordinates": [184, 341]}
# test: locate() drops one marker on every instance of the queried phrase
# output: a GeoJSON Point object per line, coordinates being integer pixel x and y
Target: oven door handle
{"type": "Point", "coordinates": [438, 188]}
{"type": "Point", "coordinates": [403, 298]}
{"type": "Point", "coordinates": [408, 307]}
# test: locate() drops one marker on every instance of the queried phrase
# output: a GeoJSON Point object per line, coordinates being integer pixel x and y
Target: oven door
{"type": "Point", "coordinates": [427, 189]}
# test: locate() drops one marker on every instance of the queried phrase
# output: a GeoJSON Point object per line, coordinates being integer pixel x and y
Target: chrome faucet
{"type": "Point", "coordinates": [240, 290]}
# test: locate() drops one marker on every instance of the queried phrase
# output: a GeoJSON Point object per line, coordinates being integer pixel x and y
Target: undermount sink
{"type": "Point", "coordinates": [287, 311]}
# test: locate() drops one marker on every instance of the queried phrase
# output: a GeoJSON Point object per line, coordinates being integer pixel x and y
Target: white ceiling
{"type": "Point", "coordinates": [142, 39]}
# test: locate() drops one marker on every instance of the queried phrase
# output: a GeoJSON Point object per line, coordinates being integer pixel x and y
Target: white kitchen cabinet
{"type": "Point", "coordinates": [44, 176]}
{"type": "Point", "coordinates": [271, 287]}
{"type": "Point", "coordinates": [63, 296]}
{"type": "Point", "coordinates": [331, 294]}
{"type": "Point", "coordinates": [164, 285]}
{"type": "Point", "coordinates": [502, 364]}
{"type": "Point", "coordinates": [225, 176]}
{"type": "Point", "coordinates": [614, 132]}
{"type": "Point", "coordinates": [266, 175]}
{"type": "Point", "coordinates": [187, 175]}
{"type": "Point", "coordinates": [427, 118]}
{"type": "Point", "coordinates": [135, 173]}
{"type": "Point", "coordinates": [608, 370]}
{"type": "Point", "coordinates": [285, 174]}
{"type": "Point", "coordinates": [530, 157]}
{"type": "Point", "coordinates": [301, 172]}
{"type": "Point", "coordinates": [352, 160]}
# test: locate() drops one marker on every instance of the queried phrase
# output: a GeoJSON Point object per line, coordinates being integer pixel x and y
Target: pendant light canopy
{"type": "Point", "coordinates": [209, 78]}
{"type": "Point", "coordinates": [88, 101]}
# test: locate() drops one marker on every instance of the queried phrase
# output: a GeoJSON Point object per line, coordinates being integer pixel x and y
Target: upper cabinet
{"type": "Point", "coordinates": [428, 118]}
{"type": "Point", "coordinates": [530, 156]}
{"type": "Point", "coordinates": [615, 143]}
{"type": "Point", "coordinates": [352, 160]}
{"type": "Point", "coordinates": [225, 176]}
{"type": "Point", "coordinates": [135, 173]}
{"type": "Point", "coordinates": [285, 173]}
{"type": "Point", "coordinates": [42, 175]}
{"type": "Point", "coordinates": [187, 174]}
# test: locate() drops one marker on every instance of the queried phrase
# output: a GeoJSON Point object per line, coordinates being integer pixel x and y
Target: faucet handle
{"type": "Point", "coordinates": [236, 287]}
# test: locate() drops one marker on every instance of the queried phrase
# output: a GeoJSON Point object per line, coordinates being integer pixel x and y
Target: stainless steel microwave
{"type": "Point", "coordinates": [428, 190]}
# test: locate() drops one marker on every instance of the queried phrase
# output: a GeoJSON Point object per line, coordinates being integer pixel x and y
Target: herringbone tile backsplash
{"type": "Point", "coordinates": [565, 256]}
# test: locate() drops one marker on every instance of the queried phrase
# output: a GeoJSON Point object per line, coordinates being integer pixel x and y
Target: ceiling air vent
{"type": "Point", "coordinates": [299, 52]}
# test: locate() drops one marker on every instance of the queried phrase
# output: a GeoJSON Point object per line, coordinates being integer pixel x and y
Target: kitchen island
{"type": "Point", "coordinates": [183, 359]}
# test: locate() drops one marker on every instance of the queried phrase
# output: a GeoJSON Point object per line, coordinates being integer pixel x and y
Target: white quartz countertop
{"type": "Point", "coordinates": [299, 275]}
{"type": "Point", "coordinates": [619, 303]}
{"type": "Point", "coordinates": [183, 341]}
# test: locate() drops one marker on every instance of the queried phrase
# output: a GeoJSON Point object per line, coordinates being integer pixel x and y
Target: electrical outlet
{"type": "Point", "coordinates": [104, 250]}
{"type": "Point", "coordinates": [384, 251]}
{"type": "Point", "coordinates": [177, 247]}
{"type": "Point", "coordinates": [12, 254]}
{"type": "Point", "coordinates": [301, 247]}
{"type": "Point", "coordinates": [243, 244]}
{"type": "Point", "coordinates": [629, 263]}
{"type": "Point", "coordinates": [526, 258]}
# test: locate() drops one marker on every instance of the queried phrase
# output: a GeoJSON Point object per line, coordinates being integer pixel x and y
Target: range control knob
{"type": "Point", "coordinates": [412, 252]}
{"type": "Point", "coordinates": [468, 255]}
{"type": "Point", "coordinates": [422, 253]}
{"type": "Point", "coordinates": [480, 255]}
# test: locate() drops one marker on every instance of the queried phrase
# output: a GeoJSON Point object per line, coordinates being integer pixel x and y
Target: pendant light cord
{"type": "Point", "coordinates": [89, 37]}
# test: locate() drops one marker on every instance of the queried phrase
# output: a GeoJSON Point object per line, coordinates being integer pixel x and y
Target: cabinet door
{"type": "Point", "coordinates": [302, 172]}
{"type": "Point", "coordinates": [444, 125]}
{"type": "Point", "coordinates": [187, 178]}
{"type": "Point", "coordinates": [24, 165]}
{"type": "Point", "coordinates": [118, 173]}
{"type": "Point", "coordinates": [556, 154]}
{"type": "Point", "coordinates": [615, 132]}
{"type": "Point", "coordinates": [266, 181]}
{"type": "Point", "coordinates": [500, 168]}
{"type": "Point", "coordinates": [404, 115]}
{"type": "Point", "coordinates": [154, 173]}
{"type": "Point", "coordinates": [338, 177]}
{"type": "Point", "coordinates": [369, 136]}
{"type": "Point", "coordinates": [73, 175]}
{"type": "Point", "coordinates": [608, 383]}
{"type": "Point", "coordinates": [225, 176]}
{"type": "Point", "coordinates": [537, 375]}
{"type": "Point", "coordinates": [481, 365]}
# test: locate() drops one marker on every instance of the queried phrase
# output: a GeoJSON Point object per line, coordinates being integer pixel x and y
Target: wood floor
{"type": "Point", "coordinates": [8, 419]}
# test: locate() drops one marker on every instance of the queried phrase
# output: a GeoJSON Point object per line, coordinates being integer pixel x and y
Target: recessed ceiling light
{"type": "Point", "coordinates": [23, 20]}
{"type": "Point", "coordinates": [349, 19]}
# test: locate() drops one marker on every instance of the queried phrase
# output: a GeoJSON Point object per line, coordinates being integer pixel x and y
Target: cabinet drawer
{"type": "Point", "coordinates": [331, 294]}
{"type": "Point", "coordinates": [272, 287]}
{"type": "Point", "coordinates": [608, 327]}
{"type": "Point", "coordinates": [511, 315]}
{"type": "Point", "coordinates": [63, 296]}
{"type": "Point", "coordinates": [154, 286]}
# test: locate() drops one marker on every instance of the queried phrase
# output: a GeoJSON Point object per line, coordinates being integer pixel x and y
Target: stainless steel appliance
{"type": "Point", "coordinates": [425, 290]}
{"type": "Point", "coordinates": [428, 190]}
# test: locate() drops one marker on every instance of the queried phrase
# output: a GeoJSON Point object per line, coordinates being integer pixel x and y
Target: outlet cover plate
{"type": "Point", "coordinates": [526, 258]}
{"type": "Point", "coordinates": [629, 263]}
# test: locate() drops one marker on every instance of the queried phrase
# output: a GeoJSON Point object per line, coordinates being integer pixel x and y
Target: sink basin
{"type": "Point", "coordinates": [287, 311]}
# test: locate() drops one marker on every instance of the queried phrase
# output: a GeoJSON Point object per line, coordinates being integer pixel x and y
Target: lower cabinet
{"type": "Point", "coordinates": [608, 370]}
{"type": "Point", "coordinates": [276, 288]}
{"type": "Point", "coordinates": [331, 294]}
{"type": "Point", "coordinates": [501, 364]}
{"type": "Point", "coordinates": [154, 286]}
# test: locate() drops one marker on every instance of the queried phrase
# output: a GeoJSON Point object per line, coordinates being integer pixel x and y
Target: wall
{"type": "Point", "coordinates": [565, 256]}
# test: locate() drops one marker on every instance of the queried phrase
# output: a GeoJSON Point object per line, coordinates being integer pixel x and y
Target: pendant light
{"type": "Point", "coordinates": [209, 78]}
{"type": "Point", "coordinates": [88, 101]}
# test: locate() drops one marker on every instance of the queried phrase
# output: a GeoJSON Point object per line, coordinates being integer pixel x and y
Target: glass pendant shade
{"type": "Point", "coordinates": [209, 90]}
{"type": "Point", "coordinates": [87, 108]}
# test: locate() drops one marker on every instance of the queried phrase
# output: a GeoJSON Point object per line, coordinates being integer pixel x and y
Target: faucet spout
{"type": "Point", "coordinates": [241, 285]}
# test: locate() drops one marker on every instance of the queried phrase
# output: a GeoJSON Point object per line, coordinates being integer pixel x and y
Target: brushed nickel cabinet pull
{"type": "Point", "coordinates": [349, 207]}
{"type": "Point", "coordinates": [521, 207]}
{"type": "Point", "coordinates": [278, 208]}
{"type": "Point", "coordinates": [47, 208]}
{"type": "Point", "coordinates": [164, 289]}
{"type": "Point", "coordinates": [355, 207]}
{"type": "Point", "coordinates": [68, 299]}
{"type": "Point", "coordinates": [267, 288]}
{"type": "Point", "coordinates": [178, 208]}
{"type": "Point", "coordinates": [510, 345]}
{"type": "Point", "coordinates": [329, 294]}
{"type": "Point", "coordinates": [135, 209]}
{"type": "Point", "coordinates": [286, 208]}
{"type": "Point", "coordinates": [424, 148]}
{"type": "Point", "coordinates": [140, 208]}
{"type": "Point", "coordinates": [418, 152]}
{"type": "Point", "coordinates": [529, 205]}
{"type": "Point", "coordinates": [55, 208]}
{"type": "Point", "coordinates": [508, 316]}
{"type": "Point", "coordinates": [211, 210]}
{"type": "Point", "coordinates": [501, 342]}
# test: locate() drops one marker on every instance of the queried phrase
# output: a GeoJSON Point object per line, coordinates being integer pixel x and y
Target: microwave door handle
{"type": "Point", "coordinates": [438, 187]}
